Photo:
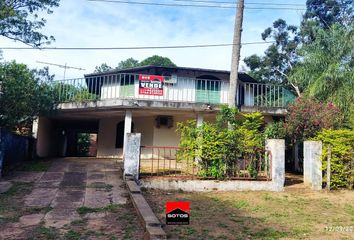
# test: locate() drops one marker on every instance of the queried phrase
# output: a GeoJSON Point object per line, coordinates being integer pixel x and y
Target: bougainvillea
{"type": "Point", "coordinates": [306, 117]}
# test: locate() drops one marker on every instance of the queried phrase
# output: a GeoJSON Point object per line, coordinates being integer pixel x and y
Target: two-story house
{"type": "Point", "coordinates": [149, 100]}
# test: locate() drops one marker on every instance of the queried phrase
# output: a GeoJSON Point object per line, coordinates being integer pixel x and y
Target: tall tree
{"type": "Point", "coordinates": [102, 68]}
{"type": "Point", "coordinates": [156, 60]}
{"type": "Point", "coordinates": [281, 57]}
{"type": "Point", "coordinates": [326, 71]}
{"type": "Point", "coordinates": [128, 63]}
{"type": "Point", "coordinates": [19, 20]}
{"type": "Point", "coordinates": [24, 94]}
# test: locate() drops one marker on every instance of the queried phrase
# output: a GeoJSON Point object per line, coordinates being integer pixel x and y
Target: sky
{"type": "Point", "coordinates": [82, 23]}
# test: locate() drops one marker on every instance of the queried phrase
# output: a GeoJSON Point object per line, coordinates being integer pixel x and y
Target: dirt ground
{"type": "Point", "coordinates": [296, 213]}
{"type": "Point", "coordinates": [74, 199]}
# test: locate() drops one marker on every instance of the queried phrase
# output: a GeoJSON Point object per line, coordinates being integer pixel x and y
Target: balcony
{"type": "Point", "coordinates": [107, 88]}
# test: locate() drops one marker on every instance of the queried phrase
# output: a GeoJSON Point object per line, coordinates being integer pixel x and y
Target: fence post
{"type": "Point", "coordinates": [329, 158]}
{"type": "Point", "coordinates": [132, 155]}
{"type": "Point", "coordinates": [313, 164]}
{"type": "Point", "coordinates": [276, 147]}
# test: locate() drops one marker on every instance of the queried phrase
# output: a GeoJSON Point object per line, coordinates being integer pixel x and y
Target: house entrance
{"type": "Point", "coordinates": [120, 134]}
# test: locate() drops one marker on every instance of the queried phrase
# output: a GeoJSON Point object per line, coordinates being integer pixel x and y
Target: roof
{"type": "Point", "coordinates": [242, 75]}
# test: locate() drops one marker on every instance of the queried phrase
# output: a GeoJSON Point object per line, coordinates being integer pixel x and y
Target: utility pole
{"type": "Point", "coordinates": [236, 49]}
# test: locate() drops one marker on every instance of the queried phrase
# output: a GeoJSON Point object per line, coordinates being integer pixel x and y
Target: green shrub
{"type": "Point", "coordinates": [218, 147]}
{"type": "Point", "coordinates": [275, 130]}
{"type": "Point", "coordinates": [342, 161]}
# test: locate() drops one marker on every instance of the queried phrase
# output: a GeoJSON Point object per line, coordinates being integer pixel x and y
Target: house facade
{"type": "Point", "coordinates": [150, 100]}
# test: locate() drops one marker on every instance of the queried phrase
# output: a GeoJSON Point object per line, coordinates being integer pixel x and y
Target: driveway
{"type": "Point", "coordinates": [87, 192]}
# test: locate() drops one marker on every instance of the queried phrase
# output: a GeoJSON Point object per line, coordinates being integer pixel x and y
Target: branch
{"type": "Point", "coordinates": [296, 88]}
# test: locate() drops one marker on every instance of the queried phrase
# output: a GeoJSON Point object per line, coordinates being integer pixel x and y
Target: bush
{"type": "Point", "coordinates": [306, 117]}
{"type": "Point", "coordinates": [275, 130]}
{"type": "Point", "coordinates": [217, 147]}
{"type": "Point", "coordinates": [342, 161]}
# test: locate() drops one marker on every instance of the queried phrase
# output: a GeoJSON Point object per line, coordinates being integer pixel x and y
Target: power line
{"type": "Point", "coordinates": [248, 3]}
{"type": "Point", "coordinates": [191, 5]}
{"type": "Point", "coordinates": [135, 48]}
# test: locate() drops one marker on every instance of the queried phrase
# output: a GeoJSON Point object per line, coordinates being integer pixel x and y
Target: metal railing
{"type": "Point", "coordinates": [126, 86]}
{"type": "Point", "coordinates": [162, 161]}
{"type": "Point", "coordinates": [266, 95]}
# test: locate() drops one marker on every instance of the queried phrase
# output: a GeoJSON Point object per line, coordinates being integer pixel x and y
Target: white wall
{"type": "Point", "coordinates": [106, 139]}
{"type": "Point", "coordinates": [44, 136]}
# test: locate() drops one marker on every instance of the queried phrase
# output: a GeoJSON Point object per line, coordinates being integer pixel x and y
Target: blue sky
{"type": "Point", "coordinates": [81, 23]}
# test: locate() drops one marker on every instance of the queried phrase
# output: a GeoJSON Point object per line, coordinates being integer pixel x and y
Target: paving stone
{"type": "Point", "coordinates": [74, 179]}
{"type": "Point", "coordinates": [26, 177]}
{"type": "Point", "coordinates": [31, 220]}
{"type": "Point", "coordinates": [69, 198]}
{"type": "Point", "coordinates": [118, 195]}
{"type": "Point", "coordinates": [96, 198]}
{"type": "Point", "coordinates": [68, 214]}
{"type": "Point", "coordinates": [40, 197]}
{"type": "Point", "coordinates": [5, 186]}
{"type": "Point", "coordinates": [52, 177]}
{"type": "Point", "coordinates": [58, 166]}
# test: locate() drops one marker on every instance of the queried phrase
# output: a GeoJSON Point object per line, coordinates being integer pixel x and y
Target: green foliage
{"type": "Point", "coordinates": [306, 117]}
{"type": "Point", "coordinates": [326, 71]}
{"type": "Point", "coordinates": [154, 60]}
{"type": "Point", "coordinates": [19, 20]}
{"type": "Point", "coordinates": [283, 56]}
{"type": "Point", "coordinates": [102, 68]}
{"type": "Point", "coordinates": [83, 144]}
{"type": "Point", "coordinates": [342, 157]}
{"type": "Point", "coordinates": [275, 130]}
{"type": "Point", "coordinates": [218, 146]}
{"type": "Point", "coordinates": [24, 95]}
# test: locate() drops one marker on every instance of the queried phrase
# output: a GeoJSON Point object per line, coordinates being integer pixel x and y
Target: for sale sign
{"type": "Point", "coordinates": [151, 85]}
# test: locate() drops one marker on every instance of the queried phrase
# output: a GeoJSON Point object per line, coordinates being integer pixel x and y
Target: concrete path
{"type": "Point", "coordinates": [70, 184]}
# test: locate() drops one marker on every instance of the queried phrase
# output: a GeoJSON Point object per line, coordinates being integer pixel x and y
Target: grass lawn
{"type": "Point", "coordinates": [293, 214]}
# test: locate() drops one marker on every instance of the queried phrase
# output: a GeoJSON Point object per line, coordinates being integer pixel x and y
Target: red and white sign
{"type": "Point", "coordinates": [151, 85]}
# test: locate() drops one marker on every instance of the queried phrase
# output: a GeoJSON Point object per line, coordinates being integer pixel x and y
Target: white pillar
{"type": "Point", "coordinates": [132, 155]}
{"type": "Point", "coordinates": [200, 119]}
{"type": "Point", "coordinates": [127, 127]}
{"type": "Point", "coordinates": [35, 128]}
{"type": "Point", "coordinates": [276, 149]}
{"type": "Point", "coordinates": [313, 164]}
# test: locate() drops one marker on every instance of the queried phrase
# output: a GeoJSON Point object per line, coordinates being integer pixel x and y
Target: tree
{"type": "Point", "coordinates": [128, 63]}
{"type": "Point", "coordinates": [102, 68]}
{"type": "Point", "coordinates": [156, 60]}
{"type": "Point", "coordinates": [24, 95]}
{"type": "Point", "coordinates": [19, 20]}
{"type": "Point", "coordinates": [307, 116]}
{"type": "Point", "coordinates": [326, 70]}
{"type": "Point", "coordinates": [282, 56]}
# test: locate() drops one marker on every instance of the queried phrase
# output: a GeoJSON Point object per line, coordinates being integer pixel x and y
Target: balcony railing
{"type": "Point", "coordinates": [126, 86]}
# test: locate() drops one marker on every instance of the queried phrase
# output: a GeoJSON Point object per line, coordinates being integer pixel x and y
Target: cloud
{"type": "Point", "coordinates": [82, 23]}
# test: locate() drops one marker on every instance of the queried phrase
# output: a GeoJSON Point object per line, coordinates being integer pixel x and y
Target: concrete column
{"type": "Point", "coordinates": [200, 119]}
{"type": "Point", "coordinates": [35, 128]}
{"type": "Point", "coordinates": [44, 137]}
{"type": "Point", "coordinates": [276, 149]}
{"type": "Point", "coordinates": [313, 164]}
{"type": "Point", "coordinates": [127, 127]}
{"type": "Point", "coordinates": [132, 155]}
